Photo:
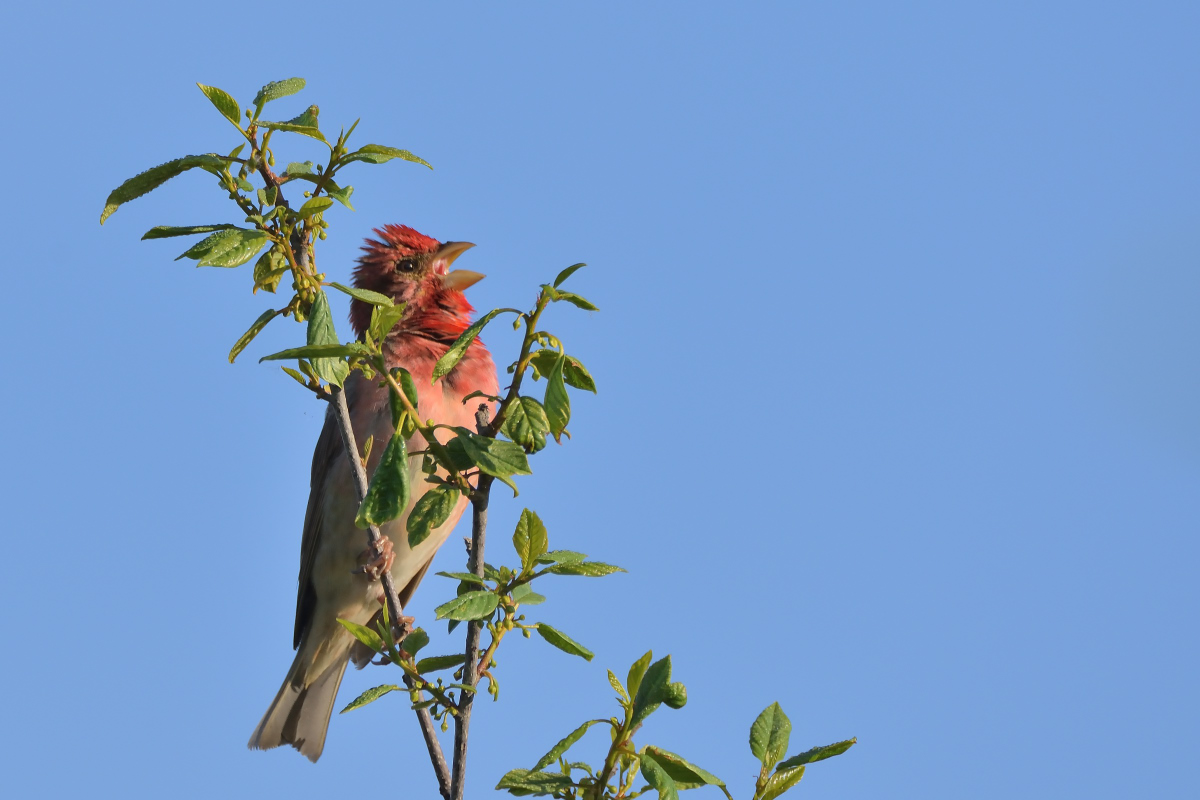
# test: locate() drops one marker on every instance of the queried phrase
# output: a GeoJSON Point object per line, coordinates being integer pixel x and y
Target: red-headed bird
{"type": "Point", "coordinates": [412, 268]}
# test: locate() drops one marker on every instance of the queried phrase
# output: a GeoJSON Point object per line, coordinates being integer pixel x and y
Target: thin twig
{"type": "Point", "coordinates": [462, 720]}
{"type": "Point", "coordinates": [395, 610]}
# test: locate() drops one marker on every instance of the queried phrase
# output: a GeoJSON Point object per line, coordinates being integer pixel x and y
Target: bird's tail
{"type": "Point", "coordinates": [299, 714]}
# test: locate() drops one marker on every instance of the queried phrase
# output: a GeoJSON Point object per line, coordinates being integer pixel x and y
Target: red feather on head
{"type": "Point", "coordinates": [433, 310]}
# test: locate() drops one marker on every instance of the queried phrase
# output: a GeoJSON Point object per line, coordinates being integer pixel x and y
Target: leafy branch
{"type": "Point", "coordinates": [456, 462]}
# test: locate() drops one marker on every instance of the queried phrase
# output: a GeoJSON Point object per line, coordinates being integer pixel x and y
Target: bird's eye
{"type": "Point", "coordinates": [407, 265]}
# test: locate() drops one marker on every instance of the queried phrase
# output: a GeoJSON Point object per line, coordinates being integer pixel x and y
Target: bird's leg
{"type": "Point", "coordinates": [377, 559]}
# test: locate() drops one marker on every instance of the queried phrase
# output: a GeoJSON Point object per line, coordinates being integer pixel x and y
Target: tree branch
{"type": "Point", "coordinates": [462, 720]}
{"type": "Point", "coordinates": [395, 610]}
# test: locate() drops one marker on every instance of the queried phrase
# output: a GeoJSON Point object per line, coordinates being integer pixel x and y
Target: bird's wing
{"type": "Point", "coordinates": [329, 445]}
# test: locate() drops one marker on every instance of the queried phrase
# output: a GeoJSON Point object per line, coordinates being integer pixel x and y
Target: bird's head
{"type": "Point", "coordinates": [412, 268]}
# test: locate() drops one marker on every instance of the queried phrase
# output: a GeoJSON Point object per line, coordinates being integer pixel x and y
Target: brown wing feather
{"type": "Point", "coordinates": [329, 443]}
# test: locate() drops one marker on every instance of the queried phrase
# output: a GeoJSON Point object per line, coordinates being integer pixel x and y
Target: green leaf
{"type": "Point", "coordinates": [370, 696]}
{"type": "Point", "coordinates": [430, 512]}
{"type": "Point", "coordinates": [404, 378]}
{"type": "Point", "coordinates": [387, 495]}
{"type": "Point", "coordinates": [769, 735]}
{"type": "Point", "coordinates": [436, 663]}
{"type": "Point", "coordinates": [384, 318]}
{"type": "Point", "coordinates": [270, 269]}
{"type": "Point", "coordinates": [530, 540]}
{"type": "Point", "coordinates": [314, 206]}
{"type": "Point", "coordinates": [686, 775]}
{"type": "Point", "coordinates": [658, 778]}
{"type": "Point", "coordinates": [526, 782]}
{"type": "Point", "coordinates": [526, 596]}
{"type": "Point", "coordinates": [561, 557]}
{"type": "Point", "coordinates": [472, 605]}
{"type": "Point", "coordinates": [322, 331]}
{"type": "Point", "coordinates": [818, 754]}
{"type": "Point", "coordinates": [249, 335]}
{"type": "Point", "coordinates": [379, 154]}
{"type": "Point", "coordinates": [558, 405]}
{"type": "Point", "coordinates": [652, 689]}
{"type": "Point", "coordinates": [469, 577]}
{"type": "Point", "coordinates": [566, 273]}
{"type": "Point", "coordinates": [526, 424]}
{"type": "Point", "coordinates": [154, 177]}
{"type": "Point", "coordinates": [637, 670]}
{"type": "Point", "coordinates": [341, 194]}
{"type": "Point", "coordinates": [615, 683]}
{"type": "Point", "coordinates": [574, 373]}
{"type": "Point", "coordinates": [288, 127]}
{"type": "Point", "coordinates": [317, 351]}
{"type": "Point", "coordinates": [167, 231]}
{"type": "Point", "coordinates": [556, 294]}
{"type": "Point", "coordinates": [781, 781]}
{"type": "Point", "coordinates": [495, 457]}
{"type": "Point", "coordinates": [297, 169]}
{"type": "Point", "coordinates": [588, 569]}
{"type": "Point", "coordinates": [226, 248]}
{"type": "Point", "coordinates": [563, 642]}
{"type": "Point", "coordinates": [277, 89]}
{"type": "Point", "coordinates": [415, 640]}
{"type": "Point", "coordinates": [364, 634]}
{"type": "Point", "coordinates": [225, 103]}
{"type": "Point", "coordinates": [300, 379]}
{"type": "Point", "coordinates": [366, 295]}
{"type": "Point", "coordinates": [564, 744]}
{"type": "Point", "coordinates": [457, 350]}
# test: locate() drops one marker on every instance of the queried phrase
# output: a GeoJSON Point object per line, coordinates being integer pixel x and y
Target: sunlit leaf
{"type": "Point", "coordinates": [527, 782]}
{"type": "Point", "coordinates": [366, 295]}
{"type": "Point", "coordinates": [781, 781]}
{"type": "Point", "coordinates": [249, 335]}
{"type": "Point", "coordinates": [387, 495]}
{"type": "Point", "coordinates": [167, 231]}
{"type": "Point", "coordinates": [564, 744]}
{"type": "Point", "coordinates": [769, 735]}
{"type": "Point", "coordinates": [563, 642]}
{"type": "Point", "coordinates": [566, 273]}
{"type": "Point", "coordinates": [379, 154]}
{"type": "Point", "coordinates": [225, 103]}
{"type": "Point", "coordinates": [587, 569]}
{"type": "Point", "coordinates": [457, 350]}
{"type": "Point", "coordinates": [370, 696]}
{"type": "Point", "coordinates": [154, 177]}
{"type": "Point", "coordinates": [526, 424]}
{"type": "Point", "coordinates": [652, 689]}
{"type": "Point", "coordinates": [321, 331]}
{"type": "Point", "coordinates": [818, 754]}
{"type": "Point", "coordinates": [436, 663]}
{"type": "Point", "coordinates": [364, 634]}
{"type": "Point", "coordinates": [530, 539]}
{"type": "Point", "coordinates": [277, 89]}
{"type": "Point", "coordinates": [472, 605]}
{"type": "Point", "coordinates": [231, 247]}
{"type": "Point", "coordinates": [431, 511]}
{"type": "Point", "coordinates": [685, 774]}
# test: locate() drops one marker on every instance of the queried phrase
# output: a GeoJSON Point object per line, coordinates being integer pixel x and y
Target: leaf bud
{"type": "Point", "coordinates": [271, 159]}
{"type": "Point", "coordinates": [676, 695]}
{"type": "Point", "coordinates": [322, 234]}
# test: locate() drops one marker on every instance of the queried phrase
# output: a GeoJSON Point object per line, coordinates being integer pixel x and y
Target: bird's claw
{"type": "Point", "coordinates": [377, 559]}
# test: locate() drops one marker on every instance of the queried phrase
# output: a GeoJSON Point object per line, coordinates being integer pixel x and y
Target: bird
{"type": "Point", "coordinates": [408, 267]}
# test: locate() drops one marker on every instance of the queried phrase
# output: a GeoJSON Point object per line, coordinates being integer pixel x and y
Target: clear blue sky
{"type": "Point", "coordinates": [898, 416]}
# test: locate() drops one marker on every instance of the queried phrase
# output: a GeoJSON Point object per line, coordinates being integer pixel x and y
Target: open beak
{"type": "Point", "coordinates": [459, 279]}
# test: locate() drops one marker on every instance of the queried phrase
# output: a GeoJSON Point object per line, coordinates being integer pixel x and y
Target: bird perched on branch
{"type": "Point", "coordinates": [415, 269]}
